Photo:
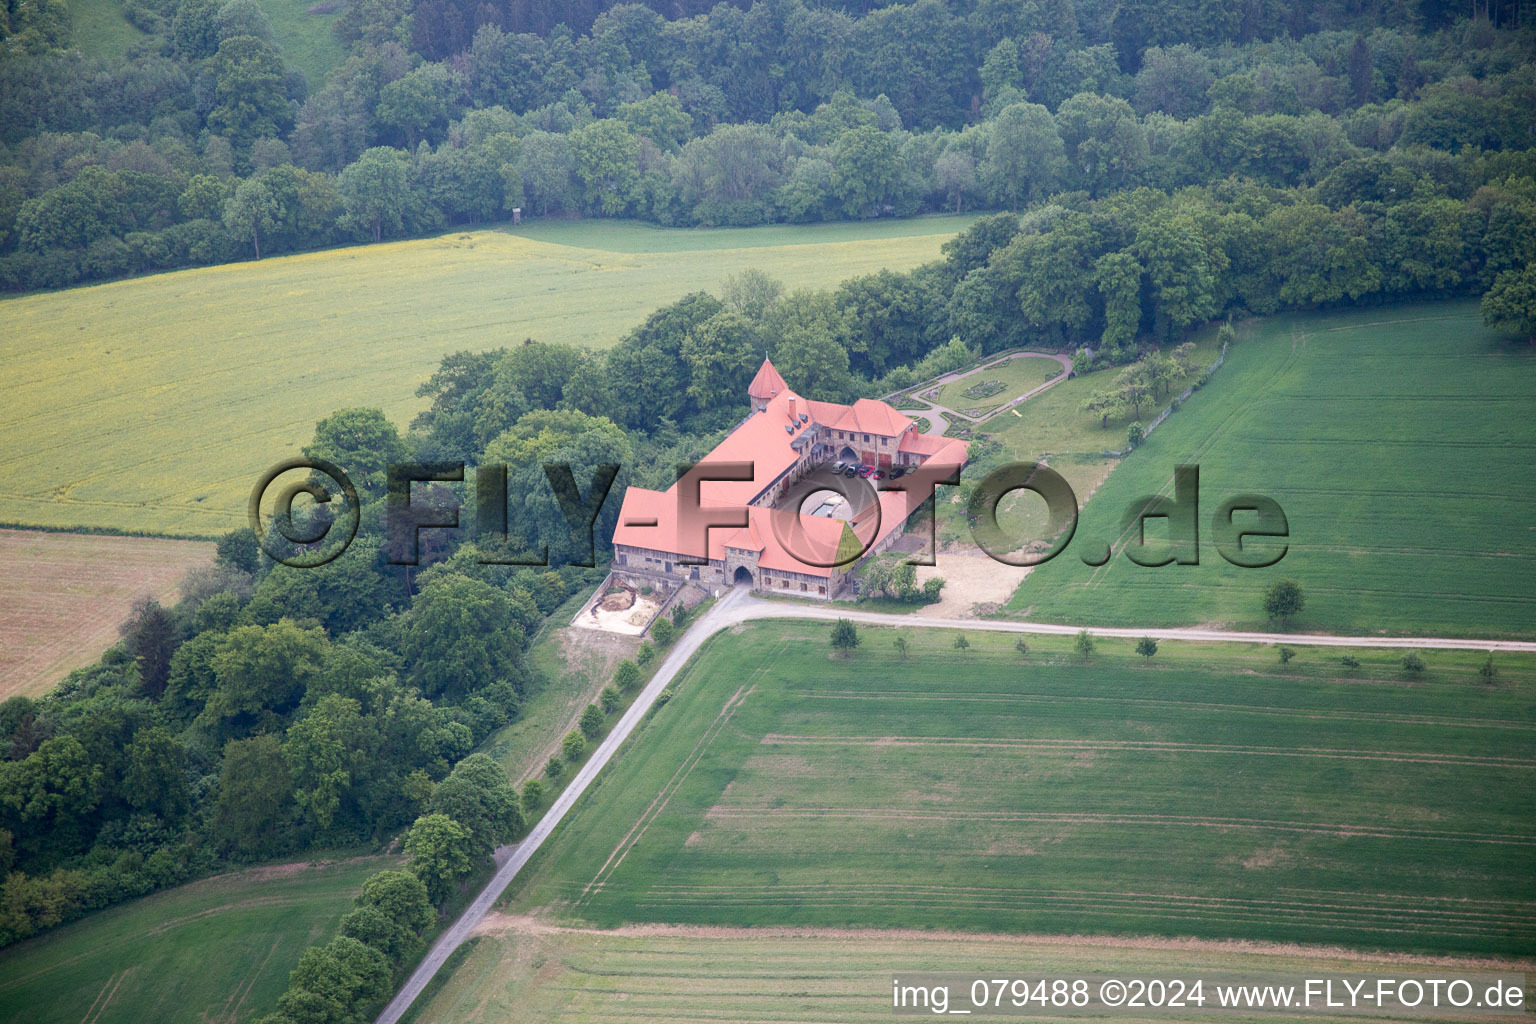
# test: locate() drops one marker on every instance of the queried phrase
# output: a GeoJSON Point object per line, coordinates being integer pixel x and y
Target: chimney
{"type": "Point", "coordinates": [792, 416]}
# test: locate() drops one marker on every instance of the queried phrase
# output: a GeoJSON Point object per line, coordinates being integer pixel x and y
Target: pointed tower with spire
{"type": "Point", "coordinates": [765, 386]}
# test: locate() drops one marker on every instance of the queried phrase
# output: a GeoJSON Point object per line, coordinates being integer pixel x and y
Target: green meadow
{"type": "Point", "coordinates": [1209, 792]}
{"type": "Point", "coordinates": [215, 950]}
{"type": "Point", "coordinates": [102, 29]}
{"type": "Point", "coordinates": [1053, 427]}
{"type": "Point", "coordinates": [1015, 377]}
{"type": "Point", "coordinates": [1399, 443]}
{"type": "Point", "coordinates": [154, 404]}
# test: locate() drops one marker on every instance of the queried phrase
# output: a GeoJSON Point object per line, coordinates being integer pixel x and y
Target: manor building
{"type": "Point", "coordinates": [784, 438]}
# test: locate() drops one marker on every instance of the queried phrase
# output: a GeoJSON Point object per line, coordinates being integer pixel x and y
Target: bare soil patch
{"type": "Point", "coordinates": [622, 608]}
{"type": "Point", "coordinates": [65, 595]}
{"type": "Point", "coordinates": [971, 578]}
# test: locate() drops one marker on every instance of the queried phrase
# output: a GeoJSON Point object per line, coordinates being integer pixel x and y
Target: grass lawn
{"type": "Point", "coordinates": [101, 29]}
{"type": "Point", "coordinates": [1016, 375]}
{"type": "Point", "coordinates": [526, 973]}
{"type": "Point", "coordinates": [305, 40]}
{"type": "Point", "coordinates": [1398, 441]}
{"type": "Point", "coordinates": [215, 950]}
{"type": "Point", "coordinates": [154, 404]}
{"type": "Point", "coordinates": [1053, 427]}
{"type": "Point", "coordinates": [1210, 793]}
{"type": "Point", "coordinates": [575, 665]}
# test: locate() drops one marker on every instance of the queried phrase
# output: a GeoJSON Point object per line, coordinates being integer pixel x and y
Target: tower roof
{"type": "Point", "coordinates": [767, 383]}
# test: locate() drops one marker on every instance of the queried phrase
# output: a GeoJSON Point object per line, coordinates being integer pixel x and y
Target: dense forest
{"type": "Point", "coordinates": [203, 146]}
{"type": "Point", "coordinates": [271, 711]}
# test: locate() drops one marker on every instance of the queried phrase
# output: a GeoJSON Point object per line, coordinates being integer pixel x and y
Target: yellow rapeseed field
{"type": "Point", "coordinates": [154, 404]}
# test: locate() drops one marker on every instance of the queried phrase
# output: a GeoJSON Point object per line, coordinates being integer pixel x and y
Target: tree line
{"type": "Point", "coordinates": [270, 711]}
{"type": "Point", "coordinates": [472, 811]}
{"type": "Point", "coordinates": [1120, 278]}
{"type": "Point", "coordinates": [206, 147]}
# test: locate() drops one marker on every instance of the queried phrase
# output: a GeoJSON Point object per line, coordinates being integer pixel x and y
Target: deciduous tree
{"type": "Point", "coordinates": [845, 637]}
{"type": "Point", "coordinates": [1284, 599]}
{"type": "Point", "coordinates": [441, 854]}
{"type": "Point", "coordinates": [375, 192]}
{"type": "Point", "coordinates": [1510, 305]}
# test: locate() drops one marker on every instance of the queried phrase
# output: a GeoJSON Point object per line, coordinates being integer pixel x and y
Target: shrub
{"type": "Point", "coordinates": [554, 768]}
{"type": "Point", "coordinates": [931, 589]}
{"type": "Point", "coordinates": [591, 722]}
{"type": "Point", "coordinates": [646, 654]}
{"type": "Point", "coordinates": [1412, 663]}
{"type": "Point", "coordinates": [1286, 654]}
{"type": "Point", "coordinates": [627, 676]}
{"type": "Point", "coordinates": [610, 699]}
{"type": "Point", "coordinates": [1284, 599]}
{"type": "Point", "coordinates": [662, 632]}
{"type": "Point", "coordinates": [532, 795]}
{"type": "Point", "coordinates": [845, 636]}
{"type": "Point", "coordinates": [984, 389]}
{"type": "Point", "coordinates": [1350, 661]}
{"type": "Point", "coordinates": [1136, 435]}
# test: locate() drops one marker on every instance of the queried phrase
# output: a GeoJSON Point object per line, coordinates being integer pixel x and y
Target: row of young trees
{"type": "Point", "coordinates": [205, 154]}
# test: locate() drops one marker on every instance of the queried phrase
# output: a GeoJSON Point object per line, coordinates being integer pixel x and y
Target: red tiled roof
{"type": "Point", "coordinates": [762, 441]}
{"type": "Point", "coordinates": [867, 416]}
{"type": "Point", "coordinates": [650, 519]}
{"type": "Point", "coordinates": [922, 444]}
{"type": "Point", "coordinates": [767, 383]}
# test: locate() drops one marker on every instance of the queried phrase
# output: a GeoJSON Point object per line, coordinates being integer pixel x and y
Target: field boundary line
{"type": "Point", "coordinates": [1112, 818]}
{"type": "Point", "coordinates": [1319, 714]}
{"type": "Point", "coordinates": [1146, 746]}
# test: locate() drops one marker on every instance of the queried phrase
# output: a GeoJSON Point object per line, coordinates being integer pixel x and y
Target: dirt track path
{"type": "Point", "coordinates": [752, 608]}
{"type": "Point", "coordinates": [739, 606]}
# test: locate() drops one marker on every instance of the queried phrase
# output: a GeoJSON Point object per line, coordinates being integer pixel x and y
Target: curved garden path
{"type": "Point", "coordinates": [941, 418]}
